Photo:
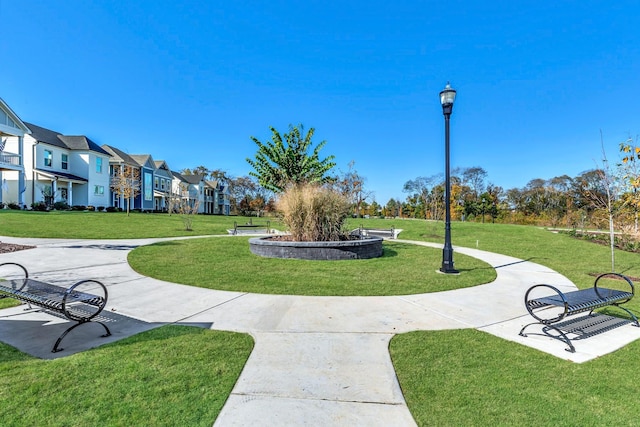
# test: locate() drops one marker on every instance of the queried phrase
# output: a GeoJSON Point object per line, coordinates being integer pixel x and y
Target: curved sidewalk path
{"type": "Point", "coordinates": [317, 360]}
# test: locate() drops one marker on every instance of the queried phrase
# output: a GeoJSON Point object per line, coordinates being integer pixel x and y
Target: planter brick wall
{"type": "Point", "coordinates": [348, 249]}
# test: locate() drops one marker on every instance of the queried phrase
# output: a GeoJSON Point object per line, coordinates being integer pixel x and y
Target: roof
{"type": "Point", "coordinates": [81, 142]}
{"type": "Point", "coordinates": [13, 117]}
{"type": "Point", "coordinates": [47, 136]}
{"type": "Point", "coordinates": [178, 175]}
{"type": "Point", "coordinates": [143, 159]}
{"type": "Point", "coordinates": [57, 174]}
{"type": "Point", "coordinates": [51, 137]}
{"type": "Point", "coordinates": [161, 164]}
{"type": "Point", "coordinates": [193, 179]}
{"type": "Point", "coordinates": [119, 155]}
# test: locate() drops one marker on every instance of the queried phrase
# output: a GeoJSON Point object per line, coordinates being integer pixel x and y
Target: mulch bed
{"type": "Point", "coordinates": [10, 247]}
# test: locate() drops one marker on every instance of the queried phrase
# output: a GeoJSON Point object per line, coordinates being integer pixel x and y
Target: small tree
{"type": "Point", "coordinates": [286, 160]}
{"type": "Point", "coordinates": [181, 202]}
{"type": "Point", "coordinates": [604, 197]}
{"type": "Point", "coordinates": [630, 168]}
{"type": "Point", "coordinates": [125, 183]}
{"type": "Point", "coordinates": [351, 185]}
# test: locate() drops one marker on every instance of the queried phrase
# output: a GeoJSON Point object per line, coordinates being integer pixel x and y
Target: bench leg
{"type": "Point", "coordinates": [64, 334]}
{"type": "Point", "coordinates": [562, 336]}
{"type": "Point", "coordinates": [633, 316]}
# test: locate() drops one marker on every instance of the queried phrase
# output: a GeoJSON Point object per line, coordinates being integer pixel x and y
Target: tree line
{"type": "Point", "coordinates": [593, 199]}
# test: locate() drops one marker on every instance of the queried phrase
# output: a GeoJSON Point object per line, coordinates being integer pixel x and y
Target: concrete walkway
{"type": "Point", "coordinates": [317, 360]}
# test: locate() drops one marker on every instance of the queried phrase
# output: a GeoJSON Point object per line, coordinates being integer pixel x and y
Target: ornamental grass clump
{"type": "Point", "coordinates": [313, 213]}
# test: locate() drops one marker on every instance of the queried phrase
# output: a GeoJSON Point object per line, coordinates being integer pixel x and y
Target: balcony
{"type": "Point", "coordinates": [10, 161]}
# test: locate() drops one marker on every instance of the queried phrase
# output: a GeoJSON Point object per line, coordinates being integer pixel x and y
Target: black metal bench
{"type": "Point", "coordinates": [562, 305]}
{"type": "Point", "coordinates": [251, 226]}
{"type": "Point", "coordinates": [363, 233]}
{"type": "Point", "coordinates": [78, 303]}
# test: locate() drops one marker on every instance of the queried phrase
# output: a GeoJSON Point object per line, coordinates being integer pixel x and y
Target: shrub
{"type": "Point", "coordinates": [39, 206]}
{"type": "Point", "coordinates": [100, 208]}
{"type": "Point", "coordinates": [313, 213]}
{"type": "Point", "coordinates": [111, 209]}
{"type": "Point", "coordinates": [2, 205]}
{"type": "Point", "coordinates": [60, 206]}
{"type": "Point", "coordinates": [13, 206]}
{"type": "Point", "coordinates": [78, 208]}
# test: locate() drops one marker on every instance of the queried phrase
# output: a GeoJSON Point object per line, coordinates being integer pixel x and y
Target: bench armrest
{"type": "Point", "coordinates": [16, 279]}
{"type": "Point", "coordinates": [616, 276]}
{"type": "Point", "coordinates": [82, 306]}
{"type": "Point", "coordinates": [539, 303]}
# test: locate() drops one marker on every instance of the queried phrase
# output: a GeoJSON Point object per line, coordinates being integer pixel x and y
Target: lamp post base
{"type": "Point", "coordinates": [447, 262]}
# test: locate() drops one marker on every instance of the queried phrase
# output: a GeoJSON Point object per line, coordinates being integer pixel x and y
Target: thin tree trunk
{"type": "Point", "coordinates": [611, 238]}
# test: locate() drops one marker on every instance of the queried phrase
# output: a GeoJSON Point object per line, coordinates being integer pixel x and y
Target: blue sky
{"type": "Point", "coordinates": [189, 82]}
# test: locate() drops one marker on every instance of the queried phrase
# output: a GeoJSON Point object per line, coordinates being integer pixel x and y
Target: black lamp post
{"type": "Point", "coordinates": [447, 96]}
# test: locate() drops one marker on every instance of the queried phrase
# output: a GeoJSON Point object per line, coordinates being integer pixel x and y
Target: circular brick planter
{"type": "Point", "coordinates": [348, 249]}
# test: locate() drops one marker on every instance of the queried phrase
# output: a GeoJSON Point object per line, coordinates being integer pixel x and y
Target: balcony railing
{"type": "Point", "coordinates": [10, 159]}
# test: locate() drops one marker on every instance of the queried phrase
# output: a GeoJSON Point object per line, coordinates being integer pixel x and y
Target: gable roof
{"type": "Point", "coordinates": [161, 164]}
{"type": "Point", "coordinates": [10, 120]}
{"type": "Point", "coordinates": [56, 139]}
{"type": "Point", "coordinates": [144, 160]}
{"type": "Point", "coordinates": [119, 155]}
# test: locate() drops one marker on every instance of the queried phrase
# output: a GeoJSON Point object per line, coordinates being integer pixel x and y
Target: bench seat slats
{"type": "Point", "coordinates": [46, 295]}
{"type": "Point", "coordinates": [582, 300]}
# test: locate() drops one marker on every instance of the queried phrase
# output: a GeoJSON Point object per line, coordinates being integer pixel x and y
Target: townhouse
{"type": "Point", "coordinates": [68, 169]}
{"type": "Point", "coordinates": [12, 176]}
{"type": "Point", "coordinates": [40, 165]}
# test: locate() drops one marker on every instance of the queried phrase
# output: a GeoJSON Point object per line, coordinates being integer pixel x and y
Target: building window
{"type": "Point", "coordinates": [98, 190]}
{"type": "Point", "coordinates": [162, 184]}
{"type": "Point", "coordinates": [65, 161]}
{"type": "Point", "coordinates": [99, 164]}
{"type": "Point", "coordinates": [155, 182]}
{"type": "Point", "coordinates": [48, 158]}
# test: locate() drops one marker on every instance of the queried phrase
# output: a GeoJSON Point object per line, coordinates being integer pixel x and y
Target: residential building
{"type": "Point", "coordinates": [12, 176]}
{"type": "Point", "coordinates": [217, 198]}
{"type": "Point", "coordinates": [162, 184]}
{"type": "Point", "coordinates": [147, 169]}
{"type": "Point", "coordinates": [62, 168]}
{"type": "Point", "coordinates": [141, 169]}
{"type": "Point", "coordinates": [191, 187]}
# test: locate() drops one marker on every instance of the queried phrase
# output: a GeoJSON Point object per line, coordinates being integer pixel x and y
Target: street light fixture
{"type": "Point", "coordinates": [447, 97]}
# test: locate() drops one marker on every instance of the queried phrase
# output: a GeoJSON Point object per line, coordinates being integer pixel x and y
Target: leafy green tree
{"type": "Point", "coordinates": [630, 169]}
{"type": "Point", "coordinates": [286, 159]}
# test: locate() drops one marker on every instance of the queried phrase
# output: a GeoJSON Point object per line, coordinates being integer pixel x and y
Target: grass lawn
{"type": "Point", "coordinates": [470, 378]}
{"type": "Point", "coordinates": [449, 378]}
{"type": "Point", "coordinates": [225, 263]}
{"type": "Point", "coordinates": [108, 225]}
{"type": "Point", "coordinates": [170, 376]}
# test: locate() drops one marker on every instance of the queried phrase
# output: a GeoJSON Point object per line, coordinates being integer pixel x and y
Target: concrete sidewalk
{"type": "Point", "coordinates": [317, 360]}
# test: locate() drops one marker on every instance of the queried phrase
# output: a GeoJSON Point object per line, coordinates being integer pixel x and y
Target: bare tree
{"type": "Point", "coordinates": [475, 177]}
{"type": "Point", "coordinates": [604, 196]}
{"type": "Point", "coordinates": [351, 185]}
{"type": "Point", "coordinates": [125, 183]}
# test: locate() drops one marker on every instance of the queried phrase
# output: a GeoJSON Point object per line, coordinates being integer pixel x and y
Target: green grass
{"type": "Point", "coordinates": [449, 378]}
{"type": "Point", "coordinates": [571, 257]}
{"type": "Point", "coordinates": [470, 378]}
{"type": "Point", "coordinates": [170, 376]}
{"type": "Point", "coordinates": [108, 225]}
{"type": "Point", "coordinates": [227, 264]}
